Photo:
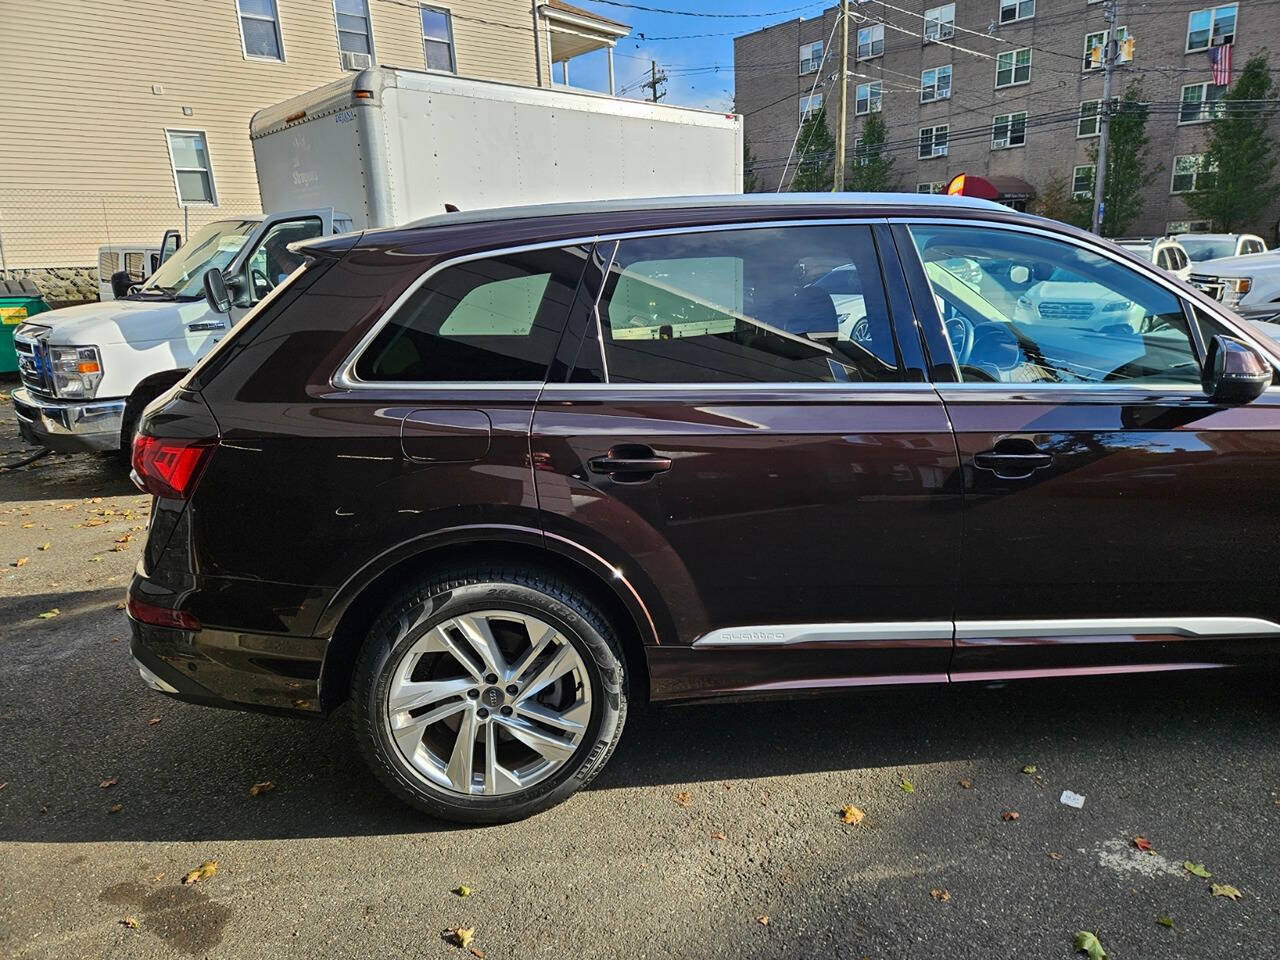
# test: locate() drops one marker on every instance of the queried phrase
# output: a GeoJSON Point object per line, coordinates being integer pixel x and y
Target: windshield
{"type": "Point", "coordinates": [213, 245]}
{"type": "Point", "coordinates": [1199, 250]}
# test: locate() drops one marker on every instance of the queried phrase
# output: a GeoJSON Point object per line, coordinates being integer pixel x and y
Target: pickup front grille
{"type": "Point", "coordinates": [1212, 286]}
{"type": "Point", "coordinates": [33, 363]}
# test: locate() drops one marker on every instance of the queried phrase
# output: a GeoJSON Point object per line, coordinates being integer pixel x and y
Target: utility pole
{"type": "Point", "coordinates": [655, 78]}
{"type": "Point", "coordinates": [1104, 119]}
{"type": "Point", "coordinates": [837, 183]}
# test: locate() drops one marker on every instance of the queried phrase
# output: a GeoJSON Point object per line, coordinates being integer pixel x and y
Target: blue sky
{"type": "Point", "coordinates": [689, 60]}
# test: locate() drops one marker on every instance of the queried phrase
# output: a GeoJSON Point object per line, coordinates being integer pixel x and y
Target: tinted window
{"type": "Point", "coordinates": [782, 304]}
{"type": "Point", "coordinates": [497, 319]}
{"type": "Point", "coordinates": [1044, 310]}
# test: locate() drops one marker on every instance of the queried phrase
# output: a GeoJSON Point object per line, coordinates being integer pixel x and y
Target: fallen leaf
{"type": "Point", "coordinates": [1224, 890]}
{"type": "Point", "coordinates": [108, 783]}
{"type": "Point", "coordinates": [202, 872]}
{"type": "Point", "coordinates": [115, 808]}
{"type": "Point", "coordinates": [1054, 855]}
{"type": "Point", "coordinates": [1196, 868]}
{"type": "Point", "coordinates": [1165, 922]}
{"type": "Point", "coordinates": [477, 953]}
{"type": "Point", "coordinates": [763, 919]}
{"type": "Point", "coordinates": [942, 896]}
{"type": "Point", "coordinates": [907, 786]}
{"type": "Point", "coordinates": [684, 798]}
{"type": "Point", "coordinates": [1087, 942]}
{"type": "Point", "coordinates": [851, 814]}
{"type": "Point", "coordinates": [1143, 844]}
{"type": "Point", "coordinates": [153, 721]}
{"type": "Point", "coordinates": [124, 539]}
{"type": "Point", "coordinates": [129, 922]}
{"type": "Point", "coordinates": [966, 784]}
{"type": "Point", "coordinates": [266, 786]}
{"type": "Point", "coordinates": [463, 936]}
{"type": "Point", "coordinates": [27, 526]}
{"type": "Point", "coordinates": [45, 546]}
{"type": "Point", "coordinates": [463, 891]}
{"type": "Point", "coordinates": [120, 606]}
{"type": "Point", "coordinates": [4, 784]}
{"type": "Point", "coordinates": [1030, 768]}
{"type": "Point", "coordinates": [49, 614]}
{"type": "Point", "coordinates": [1011, 815]}
{"type": "Point", "coordinates": [44, 808]}
{"type": "Point", "coordinates": [19, 562]}
{"type": "Point", "coordinates": [719, 836]}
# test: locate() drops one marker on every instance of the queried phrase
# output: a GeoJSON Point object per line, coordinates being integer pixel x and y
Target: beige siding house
{"type": "Point", "coordinates": [127, 117]}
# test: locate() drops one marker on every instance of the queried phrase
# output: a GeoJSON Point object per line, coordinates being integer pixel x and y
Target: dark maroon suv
{"type": "Point", "coordinates": [493, 477]}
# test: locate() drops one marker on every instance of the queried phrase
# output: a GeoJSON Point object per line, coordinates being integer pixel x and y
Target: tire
{"type": "Point", "coordinates": [574, 719]}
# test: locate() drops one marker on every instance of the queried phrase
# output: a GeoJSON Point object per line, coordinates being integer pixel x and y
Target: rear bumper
{"type": "Point", "coordinates": [69, 427]}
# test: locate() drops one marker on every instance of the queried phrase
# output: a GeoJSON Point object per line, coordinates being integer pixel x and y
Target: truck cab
{"type": "Point", "coordinates": [88, 371]}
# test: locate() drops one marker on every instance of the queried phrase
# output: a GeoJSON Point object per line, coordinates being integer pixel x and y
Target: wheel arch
{"type": "Point", "coordinates": [146, 390]}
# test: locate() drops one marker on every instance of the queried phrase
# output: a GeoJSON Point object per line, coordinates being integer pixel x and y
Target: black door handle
{"type": "Point", "coordinates": [1013, 459]}
{"type": "Point", "coordinates": [629, 464]}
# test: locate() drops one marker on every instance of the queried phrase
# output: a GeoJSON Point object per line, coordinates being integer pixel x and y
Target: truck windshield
{"type": "Point", "coordinates": [1200, 250]}
{"type": "Point", "coordinates": [213, 245]}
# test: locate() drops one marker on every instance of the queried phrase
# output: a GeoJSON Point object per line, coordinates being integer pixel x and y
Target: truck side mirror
{"type": "Point", "coordinates": [121, 281]}
{"type": "Point", "coordinates": [169, 244]}
{"type": "Point", "coordinates": [215, 291]}
{"type": "Point", "coordinates": [1234, 372]}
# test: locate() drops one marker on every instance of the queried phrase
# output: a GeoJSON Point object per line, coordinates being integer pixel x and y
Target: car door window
{"type": "Point", "coordinates": [773, 304]}
{"type": "Point", "coordinates": [272, 261]}
{"type": "Point", "coordinates": [1045, 310]}
{"type": "Point", "coordinates": [491, 319]}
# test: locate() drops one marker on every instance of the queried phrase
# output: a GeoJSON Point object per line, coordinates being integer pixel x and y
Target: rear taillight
{"type": "Point", "coordinates": [169, 468]}
{"type": "Point", "coordinates": [159, 616]}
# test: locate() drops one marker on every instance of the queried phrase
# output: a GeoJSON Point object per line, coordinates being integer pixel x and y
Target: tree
{"type": "Point", "coordinates": [1241, 154]}
{"type": "Point", "coordinates": [1129, 168]}
{"type": "Point", "coordinates": [872, 169]}
{"type": "Point", "coordinates": [815, 153]}
{"type": "Point", "coordinates": [750, 182]}
{"type": "Point", "coordinates": [1056, 202]}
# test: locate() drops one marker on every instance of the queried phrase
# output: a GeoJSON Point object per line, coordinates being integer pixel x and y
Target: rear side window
{"type": "Point", "coordinates": [496, 319]}
{"type": "Point", "coordinates": [778, 304]}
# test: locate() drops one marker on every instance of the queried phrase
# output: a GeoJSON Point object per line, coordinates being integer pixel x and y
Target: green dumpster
{"type": "Point", "coordinates": [19, 299]}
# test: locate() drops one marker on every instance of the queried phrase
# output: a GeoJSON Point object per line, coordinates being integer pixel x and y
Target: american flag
{"type": "Point", "coordinates": [1220, 60]}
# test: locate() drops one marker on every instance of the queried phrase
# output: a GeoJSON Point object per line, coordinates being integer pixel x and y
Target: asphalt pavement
{"type": "Point", "coordinates": [707, 821]}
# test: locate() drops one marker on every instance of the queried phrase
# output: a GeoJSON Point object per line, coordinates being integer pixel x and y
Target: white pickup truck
{"type": "Point", "coordinates": [1249, 284]}
{"type": "Point", "coordinates": [385, 146]}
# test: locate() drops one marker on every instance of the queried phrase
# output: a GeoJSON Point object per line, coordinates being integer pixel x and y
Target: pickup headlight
{"type": "Point", "coordinates": [1243, 286]}
{"type": "Point", "coordinates": [76, 371]}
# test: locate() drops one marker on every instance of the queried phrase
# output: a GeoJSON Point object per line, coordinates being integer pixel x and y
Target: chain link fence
{"type": "Point", "coordinates": [53, 237]}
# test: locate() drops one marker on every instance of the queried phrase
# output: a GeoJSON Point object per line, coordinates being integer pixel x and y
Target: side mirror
{"type": "Point", "coordinates": [215, 291]}
{"type": "Point", "coordinates": [169, 244]}
{"type": "Point", "coordinates": [1234, 372]}
{"type": "Point", "coordinates": [121, 281]}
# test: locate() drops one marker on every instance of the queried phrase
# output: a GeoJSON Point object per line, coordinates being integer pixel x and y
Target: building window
{"type": "Point", "coordinates": [940, 23]}
{"type": "Point", "coordinates": [260, 30]}
{"type": "Point", "coordinates": [871, 41]}
{"type": "Point", "coordinates": [935, 84]}
{"type": "Point", "coordinates": [355, 37]}
{"type": "Point", "coordinates": [937, 186]}
{"type": "Point", "coordinates": [933, 142]}
{"type": "Point", "coordinates": [192, 172]}
{"type": "Point", "coordinates": [1088, 123]}
{"type": "Point", "coordinates": [860, 155]}
{"type": "Point", "coordinates": [1011, 10]}
{"type": "Point", "coordinates": [1009, 130]}
{"type": "Point", "coordinates": [1213, 27]}
{"type": "Point", "coordinates": [869, 98]}
{"type": "Point", "coordinates": [1188, 226]}
{"type": "Point", "coordinates": [810, 105]}
{"type": "Point", "coordinates": [1095, 45]}
{"type": "Point", "coordinates": [1200, 102]}
{"type": "Point", "coordinates": [1013, 67]}
{"type": "Point", "coordinates": [1192, 172]}
{"type": "Point", "coordinates": [1083, 179]}
{"type": "Point", "coordinates": [810, 57]}
{"type": "Point", "coordinates": [437, 40]}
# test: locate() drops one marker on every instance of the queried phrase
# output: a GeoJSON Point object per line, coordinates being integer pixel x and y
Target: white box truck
{"type": "Point", "coordinates": [376, 148]}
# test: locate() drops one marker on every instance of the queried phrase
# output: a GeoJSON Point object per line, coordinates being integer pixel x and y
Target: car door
{"type": "Point", "coordinates": [1115, 517]}
{"type": "Point", "coordinates": [745, 439]}
{"type": "Point", "coordinates": [266, 260]}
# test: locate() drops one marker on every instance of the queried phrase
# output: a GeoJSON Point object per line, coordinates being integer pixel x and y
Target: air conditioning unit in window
{"type": "Point", "coordinates": [356, 61]}
{"type": "Point", "coordinates": [999, 144]}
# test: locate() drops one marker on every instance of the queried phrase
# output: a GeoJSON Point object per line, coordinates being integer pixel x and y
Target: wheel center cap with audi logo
{"type": "Point", "coordinates": [493, 697]}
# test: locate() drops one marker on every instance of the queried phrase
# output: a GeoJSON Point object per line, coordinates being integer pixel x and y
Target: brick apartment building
{"type": "Point", "coordinates": [1001, 88]}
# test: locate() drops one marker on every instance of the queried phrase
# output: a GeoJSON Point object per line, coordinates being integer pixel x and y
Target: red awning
{"type": "Point", "coordinates": [990, 188]}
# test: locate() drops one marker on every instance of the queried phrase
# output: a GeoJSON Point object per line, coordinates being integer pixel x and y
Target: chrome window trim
{"type": "Point", "coordinates": [1101, 248]}
{"type": "Point", "coordinates": [814, 386]}
{"type": "Point", "coordinates": [789, 634]}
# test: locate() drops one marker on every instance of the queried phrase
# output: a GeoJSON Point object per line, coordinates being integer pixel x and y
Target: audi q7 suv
{"type": "Point", "coordinates": [495, 476]}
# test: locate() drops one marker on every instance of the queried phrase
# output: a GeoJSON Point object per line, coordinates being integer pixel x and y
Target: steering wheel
{"type": "Point", "coordinates": [960, 332]}
{"type": "Point", "coordinates": [261, 285]}
{"type": "Point", "coordinates": [995, 345]}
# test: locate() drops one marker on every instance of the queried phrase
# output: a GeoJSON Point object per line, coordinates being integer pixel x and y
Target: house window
{"type": "Point", "coordinates": [940, 23]}
{"type": "Point", "coordinates": [1095, 46]}
{"type": "Point", "coordinates": [1009, 130]}
{"type": "Point", "coordinates": [1088, 122]}
{"type": "Point", "coordinates": [1013, 67]}
{"type": "Point", "coordinates": [871, 41]}
{"type": "Point", "coordinates": [810, 56]}
{"type": "Point", "coordinates": [935, 84]}
{"type": "Point", "coordinates": [437, 40]}
{"type": "Point", "coordinates": [1199, 102]}
{"type": "Point", "coordinates": [860, 155]}
{"type": "Point", "coordinates": [1213, 27]}
{"type": "Point", "coordinates": [260, 30]}
{"type": "Point", "coordinates": [1011, 10]}
{"type": "Point", "coordinates": [1188, 226]}
{"type": "Point", "coordinates": [869, 98]}
{"type": "Point", "coordinates": [810, 105]}
{"type": "Point", "coordinates": [1192, 172]}
{"type": "Point", "coordinates": [192, 172]}
{"type": "Point", "coordinates": [933, 142]}
{"type": "Point", "coordinates": [1083, 179]}
{"type": "Point", "coordinates": [937, 186]}
{"type": "Point", "coordinates": [354, 34]}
